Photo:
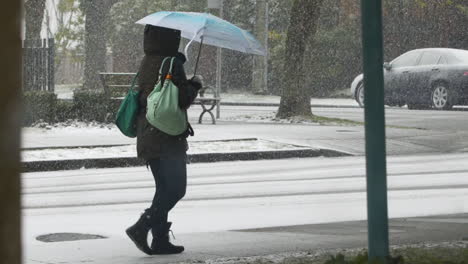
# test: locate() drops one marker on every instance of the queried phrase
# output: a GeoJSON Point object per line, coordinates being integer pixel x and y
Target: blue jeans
{"type": "Point", "coordinates": [170, 177]}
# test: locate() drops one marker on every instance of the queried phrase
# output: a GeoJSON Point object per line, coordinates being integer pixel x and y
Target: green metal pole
{"type": "Point", "coordinates": [377, 214]}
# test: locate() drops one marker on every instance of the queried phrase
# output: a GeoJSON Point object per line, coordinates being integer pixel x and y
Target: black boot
{"type": "Point", "coordinates": [138, 232]}
{"type": "Point", "coordinates": [161, 244]}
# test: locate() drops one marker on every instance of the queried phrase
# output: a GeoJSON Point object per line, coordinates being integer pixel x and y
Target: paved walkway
{"type": "Point", "coordinates": [218, 246]}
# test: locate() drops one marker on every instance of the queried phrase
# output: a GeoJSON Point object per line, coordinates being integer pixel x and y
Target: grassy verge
{"type": "Point", "coordinates": [323, 120]}
{"type": "Point", "coordinates": [442, 253]}
{"type": "Point", "coordinates": [409, 255]}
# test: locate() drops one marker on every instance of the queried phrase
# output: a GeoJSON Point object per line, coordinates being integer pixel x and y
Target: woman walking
{"type": "Point", "coordinates": [165, 155]}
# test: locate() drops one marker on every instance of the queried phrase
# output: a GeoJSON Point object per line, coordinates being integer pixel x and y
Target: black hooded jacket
{"type": "Point", "coordinates": [158, 44]}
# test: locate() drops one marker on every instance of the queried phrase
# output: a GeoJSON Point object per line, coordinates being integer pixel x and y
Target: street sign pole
{"type": "Point", "coordinates": [376, 167]}
{"type": "Point", "coordinates": [219, 66]}
{"type": "Point", "coordinates": [218, 4]}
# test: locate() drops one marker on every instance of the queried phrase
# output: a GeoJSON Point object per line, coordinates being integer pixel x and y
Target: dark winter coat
{"type": "Point", "coordinates": [160, 43]}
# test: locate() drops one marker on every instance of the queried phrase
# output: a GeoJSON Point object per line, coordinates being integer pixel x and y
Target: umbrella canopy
{"type": "Point", "coordinates": [206, 28]}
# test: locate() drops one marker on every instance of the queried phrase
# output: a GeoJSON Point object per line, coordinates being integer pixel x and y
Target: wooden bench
{"type": "Point", "coordinates": [116, 84]}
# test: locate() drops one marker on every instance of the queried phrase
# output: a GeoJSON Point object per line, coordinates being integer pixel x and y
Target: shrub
{"type": "Point", "coordinates": [39, 105]}
{"type": "Point", "coordinates": [86, 106]}
{"type": "Point", "coordinates": [113, 108]}
{"type": "Point", "coordinates": [65, 110]}
{"type": "Point", "coordinates": [91, 106]}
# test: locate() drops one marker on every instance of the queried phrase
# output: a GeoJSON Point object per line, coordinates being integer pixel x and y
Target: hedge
{"type": "Point", "coordinates": [41, 106]}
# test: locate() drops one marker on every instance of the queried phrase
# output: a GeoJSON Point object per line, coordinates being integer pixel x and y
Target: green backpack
{"type": "Point", "coordinates": [128, 110]}
{"type": "Point", "coordinates": [163, 110]}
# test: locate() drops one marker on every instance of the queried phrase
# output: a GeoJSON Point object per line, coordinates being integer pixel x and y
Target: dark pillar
{"type": "Point", "coordinates": [375, 130]}
{"type": "Point", "coordinates": [10, 114]}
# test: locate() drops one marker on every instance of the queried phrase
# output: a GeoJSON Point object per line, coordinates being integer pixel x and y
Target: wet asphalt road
{"type": "Point", "coordinates": [454, 120]}
{"type": "Point", "coordinates": [408, 131]}
{"type": "Point", "coordinates": [425, 119]}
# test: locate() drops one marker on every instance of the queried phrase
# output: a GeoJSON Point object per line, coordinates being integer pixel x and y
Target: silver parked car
{"type": "Point", "coordinates": [423, 78]}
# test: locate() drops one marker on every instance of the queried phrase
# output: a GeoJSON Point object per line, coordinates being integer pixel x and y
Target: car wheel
{"type": "Point", "coordinates": [360, 95]}
{"type": "Point", "coordinates": [440, 97]}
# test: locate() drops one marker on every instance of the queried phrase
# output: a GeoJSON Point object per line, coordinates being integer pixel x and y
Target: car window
{"type": "Point", "coordinates": [442, 60]}
{"type": "Point", "coordinates": [459, 56]}
{"type": "Point", "coordinates": [429, 58]}
{"type": "Point", "coordinates": [405, 60]}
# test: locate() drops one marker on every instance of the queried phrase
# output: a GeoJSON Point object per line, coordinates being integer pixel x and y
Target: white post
{"type": "Point", "coordinates": [260, 63]}
{"type": "Point", "coordinates": [267, 18]}
{"type": "Point", "coordinates": [219, 66]}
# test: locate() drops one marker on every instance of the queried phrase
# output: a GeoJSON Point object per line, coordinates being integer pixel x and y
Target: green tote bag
{"type": "Point", "coordinates": [128, 110]}
{"type": "Point", "coordinates": [163, 110]}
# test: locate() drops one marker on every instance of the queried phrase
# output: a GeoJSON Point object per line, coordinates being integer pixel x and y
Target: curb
{"type": "Point", "coordinates": [456, 108]}
{"type": "Point", "coordinates": [57, 165]}
{"type": "Point", "coordinates": [277, 105]}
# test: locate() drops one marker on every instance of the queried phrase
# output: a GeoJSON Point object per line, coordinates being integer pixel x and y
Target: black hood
{"type": "Point", "coordinates": [161, 41]}
{"type": "Point", "coordinates": [181, 57]}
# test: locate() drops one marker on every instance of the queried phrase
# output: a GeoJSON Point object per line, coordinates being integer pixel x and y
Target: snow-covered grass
{"type": "Point", "coordinates": [196, 147]}
{"type": "Point", "coordinates": [310, 120]}
{"type": "Point", "coordinates": [73, 124]}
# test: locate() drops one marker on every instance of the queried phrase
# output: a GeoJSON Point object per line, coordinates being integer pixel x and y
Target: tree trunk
{"type": "Point", "coordinates": [295, 99]}
{"type": "Point", "coordinates": [10, 72]}
{"type": "Point", "coordinates": [34, 15]}
{"type": "Point", "coordinates": [127, 51]}
{"type": "Point", "coordinates": [96, 25]}
{"type": "Point", "coordinates": [259, 78]}
{"type": "Point", "coordinates": [347, 9]}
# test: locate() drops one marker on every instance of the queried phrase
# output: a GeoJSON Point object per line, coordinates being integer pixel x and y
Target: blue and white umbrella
{"type": "Point", "coordinates": [206, 28]}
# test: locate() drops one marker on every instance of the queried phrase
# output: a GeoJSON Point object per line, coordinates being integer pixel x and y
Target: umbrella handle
{"type": "Point", "coordinates": [198, 56]}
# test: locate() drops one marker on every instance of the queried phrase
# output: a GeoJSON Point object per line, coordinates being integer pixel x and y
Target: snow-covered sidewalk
{"type": "Point", "coordinates": [274, 203]}
{"type": "Point", "coordinates": [233, 130]}
{"type": "Point", "coordinates": [344, 138]}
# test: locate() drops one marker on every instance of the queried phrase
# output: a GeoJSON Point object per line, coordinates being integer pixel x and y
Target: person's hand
{"type": "Point", "coordinates": [197, 80]}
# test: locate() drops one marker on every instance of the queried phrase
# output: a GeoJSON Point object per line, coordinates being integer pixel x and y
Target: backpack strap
{"type": "Point", "coordinates": [172, 64]}
{"type": "Point", "coordinates": [162, 66]}
{"type": "Point", "coordinates": [134, 81]}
